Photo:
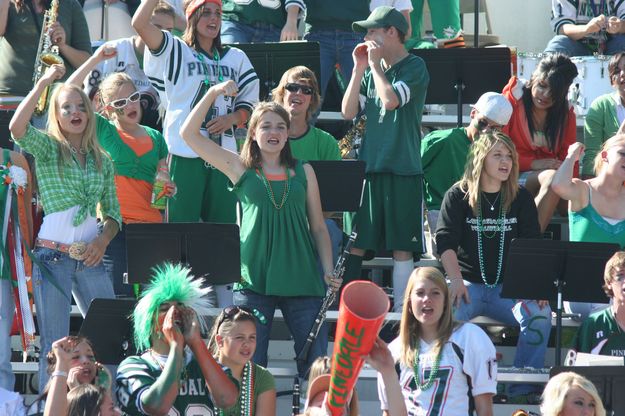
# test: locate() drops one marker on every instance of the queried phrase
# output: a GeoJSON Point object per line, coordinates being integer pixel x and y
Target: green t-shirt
{"type": "Point", "coordinates": [269, 12]}
{"type": "Point", "coordinates": [392, 139]}
{"type": "Point", "coordinates": [263, 381]}
{"type": "Point", "coordinates": [335, 15]}
{"type": "Point", "coordinates": [443, 155]}
{"type": "Point", "coordinates": [18, 46]}
{"type": "Point", "coordinates": [278, 255]}
{"type": "Point", "coordinates": [126, 161]}
{"type": "Point", "coordinates": [315, 144]}
{"type": "Point", "coordinates": [136, 374]}
{"type": "Point", "coordinates": [601, 334]}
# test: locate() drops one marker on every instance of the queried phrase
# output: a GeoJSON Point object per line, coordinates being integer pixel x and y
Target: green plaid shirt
{"type": "Point", "coordinates": [75, 186]}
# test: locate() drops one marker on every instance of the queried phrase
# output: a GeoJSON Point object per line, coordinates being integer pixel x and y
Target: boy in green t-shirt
{"type": "Point", "coordinates": [603, 332]}
{"type": "Point", "coordinates": [444, 152]}
{"type": "Point", "coordinates": [393, 85]}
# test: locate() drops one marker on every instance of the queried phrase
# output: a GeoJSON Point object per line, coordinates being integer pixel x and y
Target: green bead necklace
{"type": "Point", "coordinates": [246, 394]}
{"type": "Point", "coordinates": [269, 189]}
{"type": "Point", "coordinates": [433, 372]}
{"type": "Point", "coordinates": [501, 222]}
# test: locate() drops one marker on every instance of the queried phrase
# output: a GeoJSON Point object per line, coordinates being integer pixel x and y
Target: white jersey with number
{"type": "Point", "coordinates": [125, 61]}
{"type": "Point", "coordinates": [449, 393]}
{"type": "Point", "coordinates": [182, 76]}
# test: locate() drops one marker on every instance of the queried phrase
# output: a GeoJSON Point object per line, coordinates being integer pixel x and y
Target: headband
{"type": "Point", "coordinates": [196, 4]}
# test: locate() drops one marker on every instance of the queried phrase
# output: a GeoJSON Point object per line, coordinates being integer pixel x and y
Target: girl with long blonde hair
{"type": "Point", "coordinates": [480, 216]}
{"type": "Point", "coordinates": [138, 152]}
{"type": "Point", "coordinates": [434, 352]}
{"type": "Point", "coordinates": [596, 205]}
{"type": "Point", "coordinates": [74, 176]}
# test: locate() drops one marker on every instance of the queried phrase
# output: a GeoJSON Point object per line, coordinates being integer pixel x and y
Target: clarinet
{"type": "Point", "coordinates": [328, 300]}
{"type": "Point", "coordinates": [296, 393]}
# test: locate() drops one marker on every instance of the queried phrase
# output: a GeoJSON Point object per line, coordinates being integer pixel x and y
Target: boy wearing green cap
{"type": "Point", "coordinates": [392, 83]}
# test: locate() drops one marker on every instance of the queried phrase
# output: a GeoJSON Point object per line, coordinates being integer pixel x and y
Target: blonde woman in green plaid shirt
{"type": "Point", "coordinates": [74, 176]}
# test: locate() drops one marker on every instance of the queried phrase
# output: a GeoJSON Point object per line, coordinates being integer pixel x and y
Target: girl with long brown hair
{"type": "Point", "coordinates": [282, 225]}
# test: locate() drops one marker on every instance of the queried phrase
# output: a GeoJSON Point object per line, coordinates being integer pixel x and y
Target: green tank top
{"type": "Point", "coordinates": [589, 226]}
{"type": "Point", "coordinates": [278, 255]}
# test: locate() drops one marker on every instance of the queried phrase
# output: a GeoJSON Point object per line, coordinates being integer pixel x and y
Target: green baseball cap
{"type": "Point", "coordinates": [383, 16]}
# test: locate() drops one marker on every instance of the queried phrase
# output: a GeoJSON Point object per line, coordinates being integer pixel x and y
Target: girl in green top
{"type": "Point", "coordinates": [232, 343]}
{"type": "Point", "coordinates": [282, 224]}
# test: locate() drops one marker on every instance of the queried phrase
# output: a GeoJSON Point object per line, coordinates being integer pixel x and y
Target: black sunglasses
{"type": "Point", "coordinates": [230, 312]}
{"type": "Point", "coordinates": [293, 87]}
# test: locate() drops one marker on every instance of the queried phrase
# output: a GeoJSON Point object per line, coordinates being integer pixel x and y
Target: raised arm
{"type": "Point", "coordinates": [383, 87]}
{"type": "Point", "coordinates": [381, 359]}
{"type": "Point", "coordinates": [160, 396]}
{"type": "Point", "coordinates": [21, 119]}
{"type": "Point", "coordinates": [141, 22]}
{"type": "Point", "coordinates": [227, 162]}
{"type": "Point", "coordinates": [103, 53]}
{"type": "Point", "coordinates": [56, 402]}
{"type": "Point", "coordinates": [222, 390]}
{"type": "Point", "coordinates": [351, 98]}
{"type": "Point", "coordinates": [565, 185]}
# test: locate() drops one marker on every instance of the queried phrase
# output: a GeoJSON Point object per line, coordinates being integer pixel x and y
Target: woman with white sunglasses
{"type": "Point", "coordinates": [138, 153]}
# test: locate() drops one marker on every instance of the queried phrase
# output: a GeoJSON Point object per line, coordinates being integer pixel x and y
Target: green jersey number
{"type": "Point", "coordinates": [437, 392]}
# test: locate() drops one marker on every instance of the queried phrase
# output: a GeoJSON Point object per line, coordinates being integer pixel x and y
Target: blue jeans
{"type": "Point", "coordinates": [7, 310]}
{"type": "Point", "coordinates": [116, 264]}
{"type": "Point", "coordinates": [53, 305]}
{"type": "Point", "coordinates": [570, 47]}
{"type": "Point", "coordinates": [535, 325]}
{"type": "Point", "coordinates": [336, 46]}
{"type": "Point", "coordinates": [299, 314]}
{"type": "Point", "coordinates": [235, 32]}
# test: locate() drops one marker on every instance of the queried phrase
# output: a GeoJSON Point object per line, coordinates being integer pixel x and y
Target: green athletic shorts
{"type": "Point", "coordinates": [391, 214]}
{"type": "Point", "coordinates": [202, 193]}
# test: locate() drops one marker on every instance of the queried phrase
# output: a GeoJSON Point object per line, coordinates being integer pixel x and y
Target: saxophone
{"type": "Point", "coordinates": [47, 55]}
{"type": "Point", "coordinates": [352, 140]}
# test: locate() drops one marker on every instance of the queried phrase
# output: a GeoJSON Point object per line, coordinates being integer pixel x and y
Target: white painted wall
{"type": "Point", "coordinates": [520, 23]}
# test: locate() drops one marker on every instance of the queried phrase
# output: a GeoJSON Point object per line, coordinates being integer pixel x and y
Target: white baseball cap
{"type": "Point", "coordinates": [495, 107]}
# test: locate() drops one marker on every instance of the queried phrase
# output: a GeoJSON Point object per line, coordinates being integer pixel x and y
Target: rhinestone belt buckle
{"type": "Point", "coordinates": [77, 250]}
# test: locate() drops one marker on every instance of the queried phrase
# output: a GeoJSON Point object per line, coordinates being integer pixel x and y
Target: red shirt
{"type": "Point", "coordinates": [519, 132]}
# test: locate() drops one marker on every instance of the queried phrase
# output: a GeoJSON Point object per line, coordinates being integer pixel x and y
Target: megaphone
{"type": "Point", "coordinates": [362, 311]}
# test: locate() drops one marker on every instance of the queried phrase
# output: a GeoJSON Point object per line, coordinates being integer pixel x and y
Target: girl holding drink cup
{"type": "Point", "coordinates": [139, 155]}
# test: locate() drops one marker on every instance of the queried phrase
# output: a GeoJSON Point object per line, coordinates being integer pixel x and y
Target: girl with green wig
{"type": "Point", "coordinates": [175, 371]}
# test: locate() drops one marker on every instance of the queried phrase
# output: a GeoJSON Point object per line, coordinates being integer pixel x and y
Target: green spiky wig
{"type": "Point", "coordinates": [170, 283]}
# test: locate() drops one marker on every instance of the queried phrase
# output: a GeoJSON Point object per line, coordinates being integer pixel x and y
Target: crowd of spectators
{"type": "Point", "coordinates": [157, 115]}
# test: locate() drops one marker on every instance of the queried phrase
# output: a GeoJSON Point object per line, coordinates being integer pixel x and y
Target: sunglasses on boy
{"type": "Point", "coordinates": [123, 102]}
{"type": "Point", "coordinates": [293, 87]}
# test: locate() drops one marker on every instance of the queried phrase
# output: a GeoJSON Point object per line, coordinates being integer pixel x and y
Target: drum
{"type": "Point", "coordinates": [117, 20]}
{"type": "Point", "coordinates": [592, 81]}
{"type": "Point", "coordinates": [526, 64]}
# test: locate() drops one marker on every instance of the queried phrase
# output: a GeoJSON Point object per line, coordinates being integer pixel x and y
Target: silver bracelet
{"type": "Point", "coordinates": [58, 374]}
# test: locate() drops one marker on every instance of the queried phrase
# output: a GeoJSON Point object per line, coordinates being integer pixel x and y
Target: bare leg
{"type": "Point", "coordinates": [546, 200]}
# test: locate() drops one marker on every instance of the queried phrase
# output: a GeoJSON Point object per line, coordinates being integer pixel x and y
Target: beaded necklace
{"type": "Point", "coordinates": [216, 58]}
{"type": "Point", "coordinates": [433, 372]}
{"type": "Point", "coordinates": [480, 230]}
{"type": "Point", "coordinates": [246, 394]}
{"type": "Point", "coordinates": [269, 189]}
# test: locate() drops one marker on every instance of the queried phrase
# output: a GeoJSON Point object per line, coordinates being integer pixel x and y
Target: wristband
{"type": "Point", "coordinates": [58, 374]}
{"type": "Point", "coordinates": [449, 280]}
